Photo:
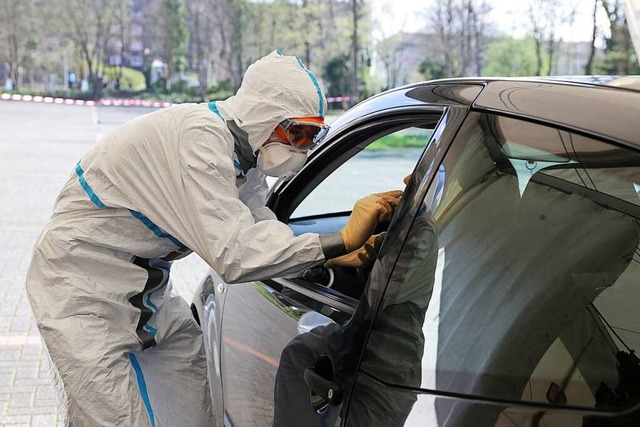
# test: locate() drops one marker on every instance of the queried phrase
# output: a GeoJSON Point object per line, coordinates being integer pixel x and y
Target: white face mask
{"type": "Point", "coordinates": [280, 160]}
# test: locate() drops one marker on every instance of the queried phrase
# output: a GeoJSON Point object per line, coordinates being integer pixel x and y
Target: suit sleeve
{"type": "Point", "coordinates": [213, 222]}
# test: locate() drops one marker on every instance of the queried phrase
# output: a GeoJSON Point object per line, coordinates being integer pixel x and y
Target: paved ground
{"type": "Point", "coordinates": [39, 147]}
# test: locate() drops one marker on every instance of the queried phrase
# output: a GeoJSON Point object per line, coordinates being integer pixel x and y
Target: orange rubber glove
{"type": "Point", "coordinates": [366, 214]}
{"type": "Point", "coordinates": [361, 258]}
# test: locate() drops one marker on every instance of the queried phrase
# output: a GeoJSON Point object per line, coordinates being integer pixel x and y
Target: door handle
{"type": "Point", "coordinates": [319, 379]}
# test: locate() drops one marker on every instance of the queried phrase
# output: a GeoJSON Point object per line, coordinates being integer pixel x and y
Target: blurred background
{"type": "Point", "coordinates": [197, 50]}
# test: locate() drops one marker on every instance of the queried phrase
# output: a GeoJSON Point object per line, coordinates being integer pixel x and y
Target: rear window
{"type": "Point", "coordinates": [520, 277]}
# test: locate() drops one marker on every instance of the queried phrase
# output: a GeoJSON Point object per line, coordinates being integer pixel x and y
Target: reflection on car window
{"type": "Point", "coordinates": [520, 292]}
{"type": "Point", "coordinates": [381, 166]}
{"type": "Point", "coordinates": [586, 162]}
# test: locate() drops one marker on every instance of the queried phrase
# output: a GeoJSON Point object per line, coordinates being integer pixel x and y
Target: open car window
{"type": "Point", "coordinates": [379, 167]}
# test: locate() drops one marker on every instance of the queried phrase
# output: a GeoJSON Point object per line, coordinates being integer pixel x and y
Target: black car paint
{"type": "Point", "coordinates": [514, 98]}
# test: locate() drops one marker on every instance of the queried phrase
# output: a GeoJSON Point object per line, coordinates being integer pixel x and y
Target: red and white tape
{"type": "Point", "coordinates": [331, 99]}
{"type": "Point", "coordinates": [101, 102]}
{"type": "Point", "coordinates": [112, 101]}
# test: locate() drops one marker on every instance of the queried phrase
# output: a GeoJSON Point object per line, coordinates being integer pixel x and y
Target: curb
{"type": "Point", "coordinates": [102, 102]}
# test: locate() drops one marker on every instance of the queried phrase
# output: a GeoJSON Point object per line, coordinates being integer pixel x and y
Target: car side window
{"type": "Point", "coordinates": [519, 277]}
{"type": "Point", "coordinates": [381, 166]}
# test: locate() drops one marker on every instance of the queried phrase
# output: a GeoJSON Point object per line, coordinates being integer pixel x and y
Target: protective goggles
{"type": "Point", "coordinates": [303, 133]}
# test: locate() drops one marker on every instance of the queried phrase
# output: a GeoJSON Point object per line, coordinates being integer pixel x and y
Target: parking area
{"type": "Point", "coordinates": [39, 147]}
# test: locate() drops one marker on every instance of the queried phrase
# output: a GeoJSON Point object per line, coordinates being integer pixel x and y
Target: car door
{"type": "Point", "coordinates": [513, 300]}
{"type": "Point", "coordinates": [273, 330]}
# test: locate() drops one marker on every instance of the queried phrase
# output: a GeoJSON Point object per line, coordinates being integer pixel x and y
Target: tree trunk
{"type": "Point", "coordinates": [626, 46]}
{"type": "Point", "coordinates": [200, 66]}
{"type": "Point", "coordinates": [588, 69]}
{"type": "Point", "coordinates": [14, 45]}
{"type": "Point", "coordinates": [355, 47]}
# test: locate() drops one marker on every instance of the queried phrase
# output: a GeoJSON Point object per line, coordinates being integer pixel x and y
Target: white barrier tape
{"type": "Point", "coordinates": [331, 99]}
{"type": "Point", "coordinates": [116, 102]}
{"type": "Point", "coordinates": [68, 101]}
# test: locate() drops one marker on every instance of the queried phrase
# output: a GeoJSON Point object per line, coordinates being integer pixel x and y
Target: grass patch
{"type": "Point", "coordinates": [130, 79]}
{"type": "Point", "coordinates": [398, 141]}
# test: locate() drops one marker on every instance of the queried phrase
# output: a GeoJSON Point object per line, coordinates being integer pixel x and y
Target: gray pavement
{"type": "Point", "coordinates": [39, 147]}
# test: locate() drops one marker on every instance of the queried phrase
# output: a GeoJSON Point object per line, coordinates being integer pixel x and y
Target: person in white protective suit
{"type": "Point", "coordinates": [125, 350]}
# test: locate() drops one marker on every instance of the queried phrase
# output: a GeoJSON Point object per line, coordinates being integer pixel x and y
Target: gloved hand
{"type": "Point", "coordinates": [361, 258]}
{"type": "Point", "coordinates": [366, 214]}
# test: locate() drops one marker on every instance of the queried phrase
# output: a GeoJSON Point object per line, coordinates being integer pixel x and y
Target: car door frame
{"type": "Point", "coordinates": [424, 182]}
{"type": "Point", "coordinates": [361, 133]}
{"type": "Point", "coordinates": [287, 198]}
{"type": "Point", "coordinates": [426, 169]}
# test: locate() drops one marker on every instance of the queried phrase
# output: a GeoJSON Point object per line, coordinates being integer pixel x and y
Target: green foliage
{"type": "Point", "coordinates": [174, 97]}
{"type": "Point", "coordinates": [619, 56]}
{"type": "Point", "coordinates": [337, 75]}
{"type": "Point", "coordinates": [512, 57]}
{"type": "Point", "coordinates": [219, 91]}
{"type": "Point", "coordinates": [433, 69]}
{"type": "Point", "coordinates": [130, 80]}
{"type": "Point", "coordinates": [617, 62]}
{"type": "Point", "coordinates": [32, 44]}
{"type": "Point", "coordinates": [176, 33]}
{"type": "Point", "coordinates": [398, 140]}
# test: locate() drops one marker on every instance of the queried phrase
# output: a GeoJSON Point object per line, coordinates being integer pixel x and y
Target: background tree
{"type": "Point", "coordinates": [391, 47]}
{"type": "Point", "coordinates": [462, 27]}
{"type": "Point", "coordinates": [231, 19]}
{"type": "Point", "coordinates": [337, 75]}
{"type": "Point", "coordinates": [332, 37]}
{"type": "Point", "coordinates": [548, 18]}
{"type": "Point", "coordinates": [86, 24]}
{"type": "Point", "coordinates": [355, 51]}
{"type": "Point", "coordinates": [588, 68]}
{"type": "Point", "coordinates": [512, 57]}
{"type": "Point", "coordinates": [432, 69]}
{"type": "Point", "coordinates": [619, 56]}
{"type": "Point", "coordinates": [119, 37]}
{"type": "Point", "coordinates": [19, 37]}
{"type": "Point", "coordinates": [391, 52]}
{"type": "Point", "coordinates": [203, 38]}
{"type": "Point", "coordinates": [175, 37]}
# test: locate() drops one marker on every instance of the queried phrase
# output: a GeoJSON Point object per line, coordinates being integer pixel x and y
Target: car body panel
{"type": "Point", "coordinates": [372, 401]}
{"type": "Point", "coordinates": [274, 329]}
{"type": "Point", "coordinates": [258, 352]}
{"type": "Point", "coordinates": [465, 411]}
{"type": "Point", "coordinates": [456, 93]}
{"type": "Point", "coordinates": [208, 304]}
{"type": "Point", "coordinates": [601, 111]}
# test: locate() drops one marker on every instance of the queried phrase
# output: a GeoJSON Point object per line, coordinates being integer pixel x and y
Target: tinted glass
{"type": "Point", "coordinates": [520, 278]}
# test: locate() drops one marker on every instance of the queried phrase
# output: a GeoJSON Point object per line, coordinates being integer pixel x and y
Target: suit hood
{"type": "Point", "coordinates": [274, 88]}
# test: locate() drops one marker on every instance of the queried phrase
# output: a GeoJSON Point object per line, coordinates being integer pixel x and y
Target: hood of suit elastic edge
{"type": "Point", "coordinates": [274, 88]}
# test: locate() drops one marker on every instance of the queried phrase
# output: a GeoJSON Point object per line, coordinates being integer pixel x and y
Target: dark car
{"type": "Point", "coordinates": [506, 291]}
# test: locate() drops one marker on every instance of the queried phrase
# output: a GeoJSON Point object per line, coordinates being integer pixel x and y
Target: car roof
{"type": "Point", "coordinates": [602, 106]}
{"type": "Point", "coordinates": [631, 82]}
{"type": "Point", "coordinates": [623, 82]}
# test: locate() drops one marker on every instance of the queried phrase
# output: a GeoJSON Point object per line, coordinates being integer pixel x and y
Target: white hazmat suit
{"type": "Point", "coordinates": [125, 350]}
